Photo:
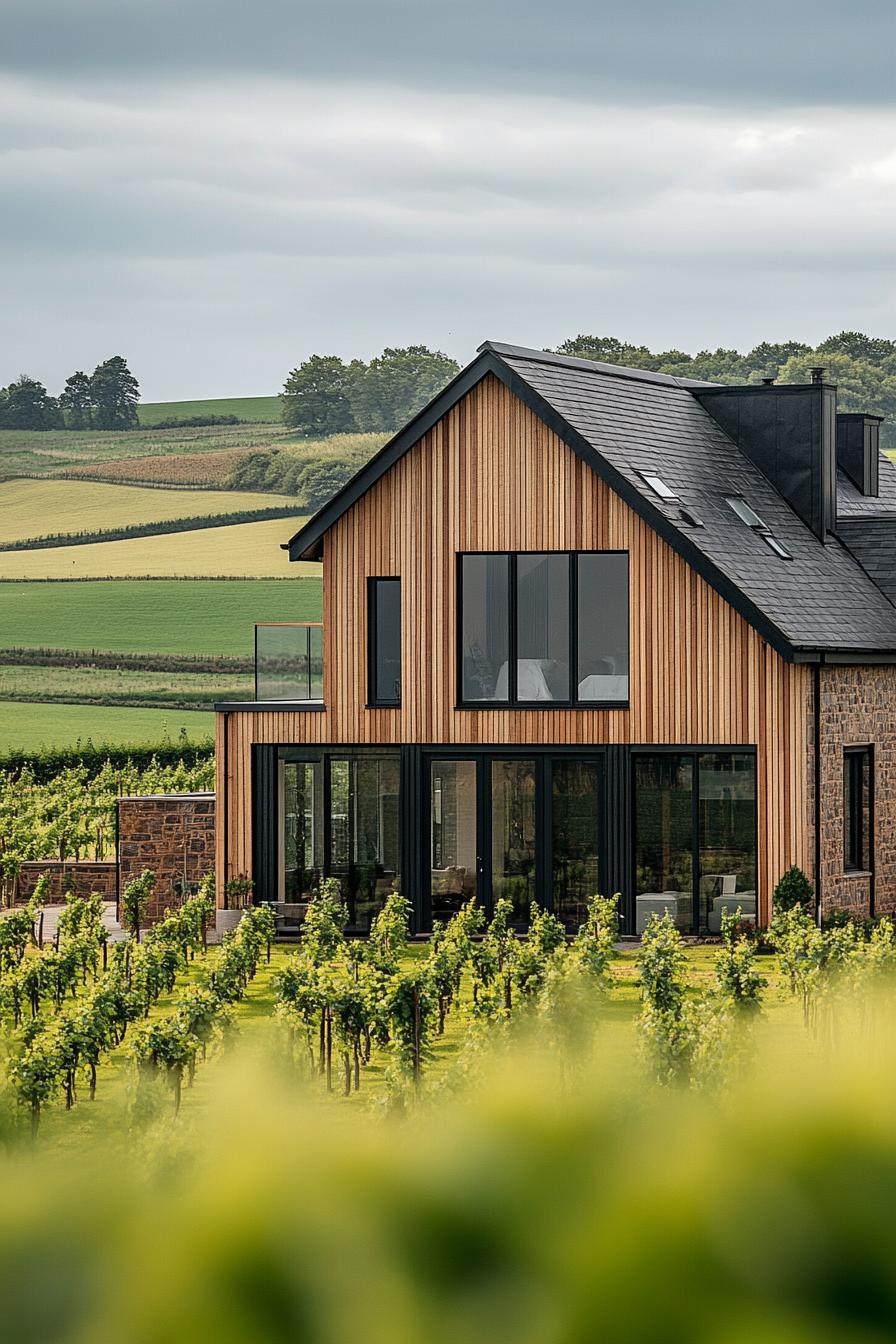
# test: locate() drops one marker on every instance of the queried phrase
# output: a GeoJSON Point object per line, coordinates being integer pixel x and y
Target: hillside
{"type": "Point", "coordinates": [263, 410]}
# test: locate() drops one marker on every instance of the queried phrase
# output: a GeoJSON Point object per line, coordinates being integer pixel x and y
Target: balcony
{"type": "Point", "coordinates": [289, 661]}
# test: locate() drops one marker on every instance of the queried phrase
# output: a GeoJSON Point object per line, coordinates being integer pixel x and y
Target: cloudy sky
{"type": "Point", "coordinates": [218, 188]}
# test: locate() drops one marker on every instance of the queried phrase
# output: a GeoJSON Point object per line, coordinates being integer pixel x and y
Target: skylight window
{"type": "Point", "coordinates": [776, 546]}
{"type": "Point", "coordinates": [745, 513]}
{"type": "Point", "coordinates": [658, 485]}
{"type": "Point", "coordinates": [688, 516]}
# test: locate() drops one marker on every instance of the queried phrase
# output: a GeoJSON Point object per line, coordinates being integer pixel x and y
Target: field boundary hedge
{"type": "Point", "coordinates": [47, 762]}
{"type": "Point", "coordinates": [200, 702]}
{"type": "Point", "coordinates": [165, 578]}
{"type": "Point", "coordinates": [197, 523]}
{"type": "Point", "coordinates": [135, 662]}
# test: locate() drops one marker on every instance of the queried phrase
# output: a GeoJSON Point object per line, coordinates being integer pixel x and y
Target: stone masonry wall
{"type": "Point", "coordinates": [78, 876]}
{"type": "Point", "coordinates": [858, 709]}
{"type": "Point", "coordinates": [172, 834]}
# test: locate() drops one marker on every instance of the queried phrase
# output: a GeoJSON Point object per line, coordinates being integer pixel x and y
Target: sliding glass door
{"type": "Point", "coordinates": [453, 836]}
{"type": "Point", "coordinates": [523, 828]}
{"type": "Point", "coordinates": [576, 836]}
{"type": "Point", "coordinates": [694, 817]}
{"type": "Point", "coordinates": [514, 833]}
{"type": "Point", "coordinates": [340, 818]}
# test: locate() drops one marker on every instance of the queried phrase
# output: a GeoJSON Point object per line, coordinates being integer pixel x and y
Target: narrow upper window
{"type": "Point", "coordinates": [384, 641]}
{"type": "Point", "coordinates": [658, 485]}
{"type": "Point", "coordinates": [858, 807]}
{"type": "Point", "coordinates": [543, 627]}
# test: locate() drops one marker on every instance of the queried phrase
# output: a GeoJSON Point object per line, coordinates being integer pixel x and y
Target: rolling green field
{"type": "Point", "coordinates": [263, 410]}
{"type": "Point", "coordinates": [243, 550]}
{"type": "Point", "coordinates": [152, 616]}
{"type": "Point", "coordinates": [26, 727]}
{"type": "Point", "coordinates": [30, 508]}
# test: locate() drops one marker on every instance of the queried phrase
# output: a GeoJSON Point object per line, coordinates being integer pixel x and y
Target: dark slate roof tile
{"type": "Point", "coordinates": [821, 599]}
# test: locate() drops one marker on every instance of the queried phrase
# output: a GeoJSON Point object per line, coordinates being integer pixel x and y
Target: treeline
{"type": "Point", "coordinates": [327, 396]}
{"type": "Point", "coordinates": [125, 762]}
{"type": "Point", "coordinates": [194, 523]}
{"type": "Point", "coordinates": [104, 399]}
{"type": "Point", "coordinates": [863, 367]}
{"type": "Point", "coordinates": [314, 482]}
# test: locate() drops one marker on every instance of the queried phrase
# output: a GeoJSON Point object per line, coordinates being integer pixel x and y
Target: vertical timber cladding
{"type": "Point", "coordinates": [491, 476]}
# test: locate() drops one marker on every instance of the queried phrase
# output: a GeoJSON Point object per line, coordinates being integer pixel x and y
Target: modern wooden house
{"type": "Point", "coordinates": [585, 628]}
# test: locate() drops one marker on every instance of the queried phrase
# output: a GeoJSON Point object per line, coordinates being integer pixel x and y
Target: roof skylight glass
{"type": "Point", "coordinates": [776, 546]}
{"type": "Point", "coordinates": [744, 512]}
{"type": "Point", "coordinates": [658, 485]}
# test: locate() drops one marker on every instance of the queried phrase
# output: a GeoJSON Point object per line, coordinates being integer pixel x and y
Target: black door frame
{"type": "Point", "coordinates": [693, 752]}
{"type": "Point", "coordinates": [543, 758]}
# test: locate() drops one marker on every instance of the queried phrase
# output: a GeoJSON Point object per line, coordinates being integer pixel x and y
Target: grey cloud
{"type": "Point", "coordinates": [805, 51]}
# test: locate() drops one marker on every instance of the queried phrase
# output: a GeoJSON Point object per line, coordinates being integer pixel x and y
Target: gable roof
{"type": "Point", "coordinates": [624, 422]}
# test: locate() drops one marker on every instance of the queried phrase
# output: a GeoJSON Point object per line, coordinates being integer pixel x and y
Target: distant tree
{"type": "Point", "coordinates": [320, 481]}
{"type": "Point", "coordinates": [115, 392]}
{"type": "Point", "coordinates": [872, 349]}
{"type": "Point", "coordinates": [391, 389]}
{"type": "Point", "coordinates": [768, 357]}
{"type": "Point", "coordinates": [76, 400]}
{"type": "Point", "coordinates": [610, 350]}
{"type": "Point", "coordinates": [26, 405]}
{"type": "Point", "coordinates": [861, 385]}
{"type": "Point", "coordinates": [315, 397]}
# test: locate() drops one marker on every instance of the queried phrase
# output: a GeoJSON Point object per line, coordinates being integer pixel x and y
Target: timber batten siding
{"type": "Point", "coordinates": [491, 476]}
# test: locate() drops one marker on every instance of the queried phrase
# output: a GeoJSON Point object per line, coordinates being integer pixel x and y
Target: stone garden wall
{"type": "Point", "coordinates": [172, 834]}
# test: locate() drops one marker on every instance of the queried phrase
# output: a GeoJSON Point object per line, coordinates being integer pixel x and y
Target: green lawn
{"type": "Point", "coordinates": [265, 410]}
{"type": "Point", "coordinates": [152, 615]}
{"type": "Point", "coordinates": [27, 727]}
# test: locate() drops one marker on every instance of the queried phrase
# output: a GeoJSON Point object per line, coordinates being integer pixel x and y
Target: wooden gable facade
{"type": "Point", "coordinates": [491, 476]}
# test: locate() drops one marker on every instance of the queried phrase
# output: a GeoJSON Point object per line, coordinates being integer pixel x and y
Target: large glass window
{"type": "Point", "coordinates": [575, 837]}
{"type": "Point", "coordinates": [542, 620]}
{"type": "Point", "coordinates": [453, 847]}
{"type": "Point", "coordinates": [602, 624]}
{"type": "Point", "coordinates": [857, 806]}
{"type": "Point", "coordinates": [664, 840]}
{"type": "Point", "coordinates": [364, 833]}
{"type": "Point", "coordinates": [485, 632]}
{"type": "Point", "coordinates": [691, 806]}
{"type": "Point", "coordinates": [303, 836]}
{"type": "Point", "coordinates": [384, 642]}
{"type": "Point", "coordinates": [513, 835]}
{"type": "Point", "coordinates": [544, 627]}
{"type": "Point", "coordinates": [340, 818]}
{"type": "Point", "coordinates": [727, 837]}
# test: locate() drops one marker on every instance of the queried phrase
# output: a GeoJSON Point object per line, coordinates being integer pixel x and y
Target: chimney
{"type": "Point", "coordinates": [858, 450]}
{"type": "Point", "coordinates": [789, 431]}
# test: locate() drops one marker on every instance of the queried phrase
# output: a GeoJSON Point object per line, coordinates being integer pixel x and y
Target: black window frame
{"type": "Point", "coordinates": [513, 701]}
{"type": "Point", "coordinates": [854, 759]}
{"type": "Point", "coordinates": [374, 701]}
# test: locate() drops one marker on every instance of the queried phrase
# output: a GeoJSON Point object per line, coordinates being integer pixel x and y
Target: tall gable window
{"type": "Point", "coordinates": [384, 641]}
{"type": "Point", "coordinates": [543, 628]}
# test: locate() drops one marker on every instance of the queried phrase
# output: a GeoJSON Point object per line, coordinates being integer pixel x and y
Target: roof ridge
{"type": "Point", "coordinates": [503, 350]}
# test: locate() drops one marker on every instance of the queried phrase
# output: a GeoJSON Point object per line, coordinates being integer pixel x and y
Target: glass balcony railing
{"type": "Point", "coordinates": [289, 661]}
